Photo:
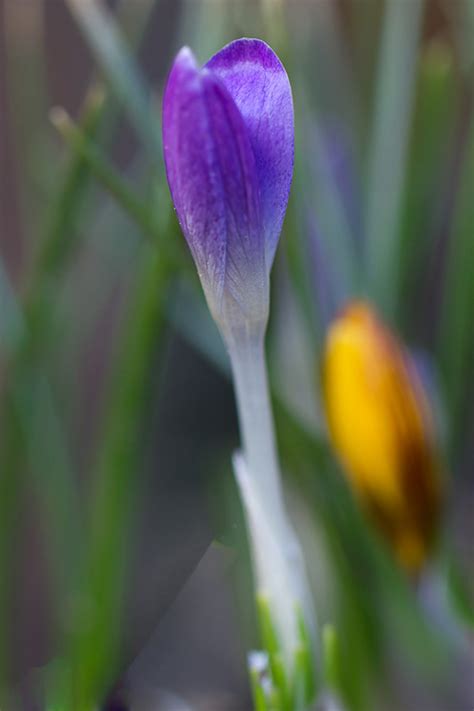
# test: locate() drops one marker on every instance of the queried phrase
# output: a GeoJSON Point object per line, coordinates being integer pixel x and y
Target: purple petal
{"type": "Point", "coordinates": [213, 181]}
{"type": "Point", "coordinates": [259, 85]}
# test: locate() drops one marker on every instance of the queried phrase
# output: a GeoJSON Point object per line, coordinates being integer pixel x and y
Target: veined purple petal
{"type": "Point", "coordinates": [212, 175]}
{"type": "Point", "coordinates": [259, 85]}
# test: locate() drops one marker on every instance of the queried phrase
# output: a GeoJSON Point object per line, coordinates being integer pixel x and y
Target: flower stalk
{"type": "Point", "coordinates": [283, 597]}
{"type": "Point", "coordinates": [247, 356]}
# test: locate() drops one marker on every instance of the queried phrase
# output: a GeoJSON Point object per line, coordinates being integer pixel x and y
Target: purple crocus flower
{"type": "Point", "coordinates": [228, 134]}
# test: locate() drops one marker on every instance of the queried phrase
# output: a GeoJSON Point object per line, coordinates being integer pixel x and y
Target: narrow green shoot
{"type": "Point", "coordinates": [275, 686]}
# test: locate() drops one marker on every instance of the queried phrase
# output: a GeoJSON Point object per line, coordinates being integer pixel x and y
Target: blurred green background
{"type": "Point", "coordinates": [124, 577]}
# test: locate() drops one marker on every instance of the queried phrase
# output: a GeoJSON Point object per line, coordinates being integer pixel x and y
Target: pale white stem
{"type": "Point", "coordinates": [276, 552]}
{"type": "Point", "coordinates": [255, 416]}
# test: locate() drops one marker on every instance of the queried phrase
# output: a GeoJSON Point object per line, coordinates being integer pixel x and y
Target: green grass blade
{"type": "Point", "coordinates": [10, 492]}
{"type": "Point", "coordinates": [31, 435]}
{"type": "Point", "coordinates": [331, 658]}
{"type": "Point", "coordinates": [48, 461]}
{"type": "Point", "coordinates": [112, 55]}
{"type": "Point", "coordinates": [11, 323]}
{"type": "Point", "coordinates": [60, 230]}
{"type": "Point", "coordinates": [456, 341]}
{"type": "Point", "coordinates": [96, 646]}
{"type": "Point", "coordinates": [431, 144]}
{"type": "Point", "coordinates": [388, 149]}
{"type": "Point", "coordinates": [104, 172]}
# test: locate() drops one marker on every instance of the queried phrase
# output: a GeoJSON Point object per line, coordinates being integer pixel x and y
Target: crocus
{"type": "Point", "coordinates": [381, 427]}
{"type": "Point", "coordinates": [228, 134]}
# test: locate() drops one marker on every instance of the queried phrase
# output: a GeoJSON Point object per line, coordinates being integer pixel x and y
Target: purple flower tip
{"type": "Point", "coordinates": [228, 135]}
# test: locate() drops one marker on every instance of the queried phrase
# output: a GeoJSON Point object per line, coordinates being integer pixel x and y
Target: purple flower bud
{"type": "Point", "coordinates": [228, 134]}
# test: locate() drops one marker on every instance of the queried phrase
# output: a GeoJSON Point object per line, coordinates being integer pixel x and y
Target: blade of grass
{"type": "Point", "coordinates": [134, 19]}
{"type": "Point", "coordinates": [11, 323]}
{"type": "Point", "coordinates": [112, 55]}
{"type": "Point", "coordinates": [428, 169]}
{"type": "Point", "coordinates": [33, 443]}
{"type": "Point", "coordinates": [25, 68]}
{"type": "Point", "coordinates": [388, 149]}
{"type": "Point", "coordinates": [329, 51]}
{"type": "Point", "coordinates": [95, 647]}
{"type": "Point", "coordinates": [47, 457]}
{"type": "Point", "coordinates": [23, 338]}
{"type": "Point", "coordinates": [60, 230]}
{"type": "Point", "coordinates": [28, 95]}
{"type": "Point", "coordinates": [98, 119]}
{"type": "Point", "coordinates": [331, 658]}
{"type": "Point", "coordinates": [456, 341]}
{"type": "Point", "coordinates": [10, 486]}
{"type": "Point", "coordinates": [104, 172]}
{"type": "Point", "coordinates": [34, 433]}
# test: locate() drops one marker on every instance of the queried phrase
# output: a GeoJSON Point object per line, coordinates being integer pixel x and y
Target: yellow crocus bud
{"type": "Point", "coordinates": [381, 427]}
